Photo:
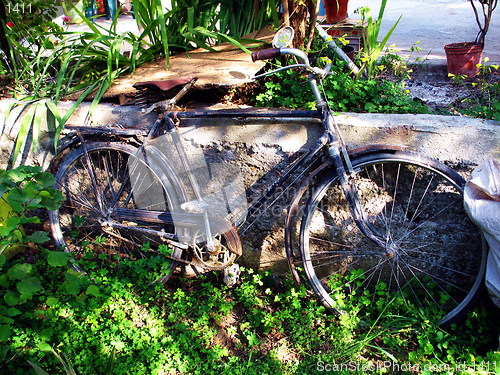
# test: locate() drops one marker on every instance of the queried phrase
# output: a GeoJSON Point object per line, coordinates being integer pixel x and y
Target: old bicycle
{"type": "Point", "coordinates": [375, 218]}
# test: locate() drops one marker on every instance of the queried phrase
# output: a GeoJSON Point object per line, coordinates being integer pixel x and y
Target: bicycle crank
{"type": "Point", "coordinates": [216, 257]}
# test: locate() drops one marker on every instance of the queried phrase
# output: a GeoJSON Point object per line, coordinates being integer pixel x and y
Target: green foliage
{"type": "Point", "coordinates": [265, 325]}
{"type": "Point", "coordinates": [30, 14]}
{"type": "Point", "coordinates": [344, 93]}
{"type": "Point", "coordinates": [150, 18]}
{"type": "Point", "coordinates": [204, 23]}
{"type": "Point", "coordinates": [483, 98]}
{"type": "Point", "coordinates": [372, 46]}
{"type": "Point", "coordinates": [54, 320]}
{"type": "Point", "coordinates": [51, 64]}
{"type": "Point", "coordinates": [25, 189]}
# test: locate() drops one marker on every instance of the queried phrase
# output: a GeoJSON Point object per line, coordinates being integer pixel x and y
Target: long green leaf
{"type": "Point", "coordinates": [75, 105]}
{"type": "Point", "coordinates": [37, 368]}
{"type": "Point", "coordinates": [22, 135]}
{"type": "Point", "coordinates": [40, 111]}
{"type": "Point", "coordinates": [53, 117]}
{"type": "Point", "coordinates": [163, 32]}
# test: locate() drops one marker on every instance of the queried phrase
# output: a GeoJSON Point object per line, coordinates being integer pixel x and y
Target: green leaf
{"type": "Point", "coordinates": [37, 368]}
{"type": "Point", "coordinates": [20, 271]}
{"type": "Point", "coordinates": [11, 298]}
{"type": "Point", "coordinates": [38, 237]}
{"type": "Point", "coordinates": [23, 199]}
{"type": "Point", "coordinates": [93, 290]}
{"type": "Point", "coordinates": [51, 199]}
{"type": "Point", "coordinates": [47, 333]}
{"type": "Point", "coordinates": [252, 339]}
{"type": "Point", "coordinates": [6, 320]}
{"type": "Point", "coordinates": [37, 123]}
{"type": "Point", "coordinates": [9, 225]}
{"type": "Point", "coordinates": [22, 135]}
{"type": "Point", "coordinates": [73, 287]}
{"type": "Point", "coordinates": [44, 179]}
{"type": "Point", "coordinates": [29, 286]}
{"type": "Point", "coordinates": [4, 332]}
{"type": "Point", "coordinates": [44, 347]}
{"type": "Point", "coordinates": [52, 301]}
{"type": "Point", "coordinates": [58, 258]}
{"type": "Point", "coordinates": [12, 311]}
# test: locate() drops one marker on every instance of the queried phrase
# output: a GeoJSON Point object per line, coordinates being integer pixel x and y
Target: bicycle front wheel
{"type": "Point", "coordinates": [97, 181]}
{"type": "Point", "coordinates": [434, 256]}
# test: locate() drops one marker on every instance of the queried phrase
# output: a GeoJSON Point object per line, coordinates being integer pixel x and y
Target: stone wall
{"type": "Point", "coordinates": [258, 148]}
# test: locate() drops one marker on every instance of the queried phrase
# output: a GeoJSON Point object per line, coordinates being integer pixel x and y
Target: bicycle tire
{"type": "Point", "coordinates": [77, 226]}
{"type": "Point", "coordinates": [436, 259]}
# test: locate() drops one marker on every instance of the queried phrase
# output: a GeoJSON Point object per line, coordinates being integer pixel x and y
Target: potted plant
{"type": "Point", "coordinates": [464, 58]}
{"type": "Point", "coordinates": [336, 10]}
{"type": "Point", "coordinates": [100, 7]}
{"type": "Point", "coordinates": [89, 9]}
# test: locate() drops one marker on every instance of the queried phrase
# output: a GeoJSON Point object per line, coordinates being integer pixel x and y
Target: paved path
{"type": "Point", "coordinates": [434, 23]}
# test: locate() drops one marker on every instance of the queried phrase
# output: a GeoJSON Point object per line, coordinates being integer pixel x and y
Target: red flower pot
{"type": "Point", "coordinates": [463, 58]}
{"type": "Point", "coordinates": [336, 10]}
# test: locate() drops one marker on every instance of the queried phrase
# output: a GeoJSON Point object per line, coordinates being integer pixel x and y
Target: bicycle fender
{"type": "Point", "coordinates": [72, 140]}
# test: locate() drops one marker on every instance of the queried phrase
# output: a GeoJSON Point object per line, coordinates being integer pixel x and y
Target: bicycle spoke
{"type": "Point", "coordinates": [95, 182]}
{"type": "Point", "coordinates": [418, 211]}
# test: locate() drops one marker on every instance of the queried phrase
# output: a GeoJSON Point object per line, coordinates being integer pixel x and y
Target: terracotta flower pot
{"type": "Point", "coordinates": [336, 10]}
{"type": "Point", "coordinates": [463, 58]}
{"type": "Point", "coordinates": [100, 7]}
{"type": "Point", "coordinates": [349, 51]}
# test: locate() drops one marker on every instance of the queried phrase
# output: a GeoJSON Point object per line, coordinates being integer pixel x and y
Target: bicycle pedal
{"type": "Point", "coordinates": [232, 275]}
{"type": "Point", "coordinates": [195, 207]}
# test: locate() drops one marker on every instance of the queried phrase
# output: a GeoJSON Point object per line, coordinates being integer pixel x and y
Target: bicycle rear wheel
{"type": "Point", "coordinates": [97, 181]}
{"type": "Point", "coordinates": [434, 258]}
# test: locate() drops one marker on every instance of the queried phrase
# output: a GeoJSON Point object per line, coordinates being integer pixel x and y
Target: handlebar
{"type": "Point", "coordinates": [266, 54]}
{"type": "Point", "coordinates": [270, 53]}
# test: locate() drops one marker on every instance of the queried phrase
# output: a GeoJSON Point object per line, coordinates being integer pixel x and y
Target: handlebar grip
{"type": "Point", "coordinates": [266, 54]}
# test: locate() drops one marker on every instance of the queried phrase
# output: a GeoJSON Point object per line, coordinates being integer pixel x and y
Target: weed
{"type": "Point", "coordinates": [53, 319]}
{"type": "Point", "coordinates": [344, 93]}
{"type": "Point", "coordinates": [482, 99]}
{"type": "Point", "coordinates": [372, 46]}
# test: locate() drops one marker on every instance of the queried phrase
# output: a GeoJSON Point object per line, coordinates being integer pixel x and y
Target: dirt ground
{"type": "Point", "coordinates": [441, 93]}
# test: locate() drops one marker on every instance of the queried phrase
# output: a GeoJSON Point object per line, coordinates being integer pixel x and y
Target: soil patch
{"type": "Point", "coordinates": [432, 86]}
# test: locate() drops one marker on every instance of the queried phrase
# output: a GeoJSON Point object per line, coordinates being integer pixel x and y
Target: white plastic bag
{"type": "Point", "coordinates": [482, 203]}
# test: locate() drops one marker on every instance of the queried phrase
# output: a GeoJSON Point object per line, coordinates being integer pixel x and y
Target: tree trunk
{"type": "Point", "coordinates": [299, 15]}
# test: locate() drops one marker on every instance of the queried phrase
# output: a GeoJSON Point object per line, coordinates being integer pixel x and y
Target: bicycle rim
{"type": "Point", "coordinates": [434, 259]}
{"type": "Point", "coordinates": [95, 182]}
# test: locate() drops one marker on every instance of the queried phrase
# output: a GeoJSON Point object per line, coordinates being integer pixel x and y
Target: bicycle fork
{"type": "Point", "coordinates": [342, 163]}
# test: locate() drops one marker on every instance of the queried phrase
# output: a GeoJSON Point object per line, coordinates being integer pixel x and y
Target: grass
{"type": "Point", "coordinates": [264, 325]}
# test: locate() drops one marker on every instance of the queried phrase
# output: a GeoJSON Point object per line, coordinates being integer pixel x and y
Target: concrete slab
{"type": "Point", "coordinates": [446, 138]}
{"type": "Point", "coordinates": [228, 67]}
